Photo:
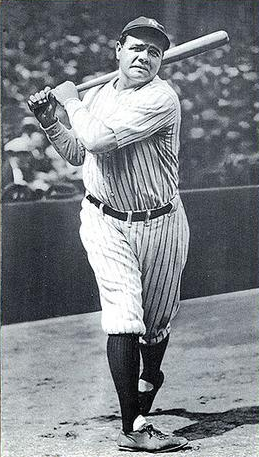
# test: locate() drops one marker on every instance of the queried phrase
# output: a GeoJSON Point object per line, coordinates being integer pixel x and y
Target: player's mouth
{"type": "Point", "coordinates": [139, 67]}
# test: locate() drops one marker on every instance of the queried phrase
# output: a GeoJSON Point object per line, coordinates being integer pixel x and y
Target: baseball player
{"type": "Point", "coordinates": [133, 224]}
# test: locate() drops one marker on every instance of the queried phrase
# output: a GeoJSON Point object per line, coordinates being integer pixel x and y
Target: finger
{"type": "Point", "coordinates": [42, 94]}
{"type": "Point", "coordinates": [31, 105]}
{"type": "Point", "coordinates": [43, 98]}
{"type": "Point", "coordinates": [37, 96]}
{"type": "Point", "coordinates": [32, 99]}
{"type": "Point", "coordinates": [47, 91]}
{"type": "Point", "coordinates": [37, 100]}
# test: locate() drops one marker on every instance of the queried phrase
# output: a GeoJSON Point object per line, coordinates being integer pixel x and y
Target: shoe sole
{"type": "Point", "coordinates": [161, 451]}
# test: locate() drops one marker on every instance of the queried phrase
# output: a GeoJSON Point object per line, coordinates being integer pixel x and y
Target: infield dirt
{"type": "Point", "coordinates": [58, 399]}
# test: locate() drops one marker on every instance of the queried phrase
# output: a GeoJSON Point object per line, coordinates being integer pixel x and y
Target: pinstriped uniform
{"type": "Point", "coordinates": [143, 172]}
{"type": "Point", "coordinates": [138, 265]}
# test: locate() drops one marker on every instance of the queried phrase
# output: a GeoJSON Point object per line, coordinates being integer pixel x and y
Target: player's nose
{"type": "Point", "coordinates": [143, 55]}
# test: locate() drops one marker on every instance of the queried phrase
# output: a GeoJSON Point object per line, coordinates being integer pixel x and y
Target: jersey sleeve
{"type": "Point", "coordinates": [90, 95]}
{"type": "Point", "coordinates": [66, 144]}
{"type": "Point", "coordinates": [144, 116]}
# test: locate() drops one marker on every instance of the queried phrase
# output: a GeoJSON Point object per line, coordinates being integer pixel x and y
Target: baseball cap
{"type": "Point", "coordinates": [145, 22]}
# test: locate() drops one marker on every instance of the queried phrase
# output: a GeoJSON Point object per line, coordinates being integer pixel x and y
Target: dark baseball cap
{"type": "Point", "coordinates": [143, 22]}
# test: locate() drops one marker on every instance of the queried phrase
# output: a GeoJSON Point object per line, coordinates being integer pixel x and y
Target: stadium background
{"type": "Point", "coordinates": [48, 41]}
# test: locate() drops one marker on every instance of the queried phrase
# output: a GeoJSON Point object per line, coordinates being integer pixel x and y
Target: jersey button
{"type": "Point", "coordinates": [112, 194]}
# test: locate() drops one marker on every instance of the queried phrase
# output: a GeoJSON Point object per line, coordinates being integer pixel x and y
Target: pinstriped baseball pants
{"type": "Point", "coordinates": [138, 269]}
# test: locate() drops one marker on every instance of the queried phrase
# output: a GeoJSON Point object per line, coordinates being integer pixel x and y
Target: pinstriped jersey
{"type": "Point", "coordinates": [142, 172]}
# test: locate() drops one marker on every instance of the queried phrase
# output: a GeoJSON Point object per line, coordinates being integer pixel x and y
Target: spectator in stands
{"type": "Point", "coordinates": [20, 159]}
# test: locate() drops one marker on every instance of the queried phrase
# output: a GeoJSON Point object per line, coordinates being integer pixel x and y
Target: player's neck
{"type": "Point", "coordinates": [124, 83]}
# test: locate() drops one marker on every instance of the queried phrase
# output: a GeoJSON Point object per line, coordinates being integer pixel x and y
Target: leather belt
{"type": "Point", "coordinates": [134, 216]}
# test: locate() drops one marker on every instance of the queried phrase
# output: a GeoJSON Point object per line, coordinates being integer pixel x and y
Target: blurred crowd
{"type": "Point", "coordinates": [218, 91]}
{"type": "Point", "coordinates": [32, 170]}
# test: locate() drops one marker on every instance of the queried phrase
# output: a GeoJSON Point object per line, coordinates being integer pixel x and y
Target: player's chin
{"type": "Point", "coordinates": [141, 76]}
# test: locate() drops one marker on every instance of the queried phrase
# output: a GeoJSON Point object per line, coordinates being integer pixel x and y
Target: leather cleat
{"type": "Point", "coordinates": [146, 398]}
{"type": "Point", "coordinates": [149, 439]}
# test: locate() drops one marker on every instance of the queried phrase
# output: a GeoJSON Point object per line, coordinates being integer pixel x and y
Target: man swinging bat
{"type": "Point", "coordinates": [134, 228]}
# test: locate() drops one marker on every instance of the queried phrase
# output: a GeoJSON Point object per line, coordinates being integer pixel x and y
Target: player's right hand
{"type": "Point", "coordinates": [43, 105]}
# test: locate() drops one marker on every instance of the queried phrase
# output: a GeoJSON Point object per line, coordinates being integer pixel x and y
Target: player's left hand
{"type": "Point", "coordinates": [65, 91]}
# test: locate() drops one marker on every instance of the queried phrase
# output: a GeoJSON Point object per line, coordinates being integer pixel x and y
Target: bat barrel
{"type": "Point", "coordinates": [180, 52]}
{"type": "Point", "coordinates": [197, 46]}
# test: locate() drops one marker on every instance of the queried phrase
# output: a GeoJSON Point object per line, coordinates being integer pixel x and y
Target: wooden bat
{"type": "Point", "coordinates": [180, 52]}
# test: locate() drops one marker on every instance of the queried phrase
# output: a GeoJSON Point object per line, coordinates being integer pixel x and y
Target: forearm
{"type": "Point", "coordinates": [65, 143]}
{"type": "Point", "coordinates": [92, 132]}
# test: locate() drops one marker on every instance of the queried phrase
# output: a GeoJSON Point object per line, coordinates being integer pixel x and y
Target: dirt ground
{"type": "Point", "coordinates": [58, 398]}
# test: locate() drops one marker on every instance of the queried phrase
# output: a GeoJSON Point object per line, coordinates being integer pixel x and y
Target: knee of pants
{"type": "Point", "coordinates": [114, 327]}
{"type": "Point", "coordinates": [151, 338]}
{"type": "Point", "coordinates": [113, 322]}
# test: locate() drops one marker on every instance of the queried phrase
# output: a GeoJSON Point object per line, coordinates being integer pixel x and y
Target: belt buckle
{"type": "Point", "coordinates": [147, 218]}
{"type": "Point", "coordinates": [129, 218]}
{"type": "Point", "coordinates": [101, 209]}
{"type": "Point", "coordinates": [174, 204]}
{"type": "Point", "coordinates": [169, 214]}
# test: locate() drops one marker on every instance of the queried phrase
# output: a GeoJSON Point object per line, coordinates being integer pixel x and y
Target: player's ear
{"type": "Point", "coordinates": [118, 49]}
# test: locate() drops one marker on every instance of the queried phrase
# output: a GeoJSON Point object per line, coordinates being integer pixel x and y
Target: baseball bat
{"type": "Point", "coordinates": [180, 52]}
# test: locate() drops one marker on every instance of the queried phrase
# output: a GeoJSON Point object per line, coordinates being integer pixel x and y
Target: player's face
{"type": "Point", "coordinates": [139, 58]}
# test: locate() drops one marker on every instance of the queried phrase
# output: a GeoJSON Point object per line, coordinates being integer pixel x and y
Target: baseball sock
{"type": "Point", "coordinates": [124, 360]}
{"type": "Point", "coordinates": [152, 356]}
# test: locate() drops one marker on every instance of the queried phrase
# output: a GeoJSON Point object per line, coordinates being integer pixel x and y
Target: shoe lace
{"type": "Point", "coordinates": [152, 431]}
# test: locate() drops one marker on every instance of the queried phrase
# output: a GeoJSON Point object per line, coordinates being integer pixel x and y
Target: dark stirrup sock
{"type": "Point", "coordinates": [152, 356]}
{"type": "Point", "coordinates": [124, 360]}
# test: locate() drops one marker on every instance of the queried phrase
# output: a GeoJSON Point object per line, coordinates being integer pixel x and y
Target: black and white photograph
{"type": "Point", "coordinates": [129, 228]}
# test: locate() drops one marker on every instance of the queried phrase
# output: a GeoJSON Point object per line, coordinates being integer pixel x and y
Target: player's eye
{"type": "Point", "coordinates": [137, 48]}
{"type": "Point", "coordinates": [154, 52]}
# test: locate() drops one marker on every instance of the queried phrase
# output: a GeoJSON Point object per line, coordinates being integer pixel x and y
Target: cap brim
{"type": "Point", "coordinates": [154, 29]}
